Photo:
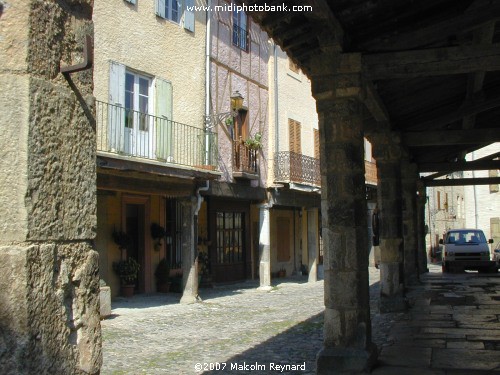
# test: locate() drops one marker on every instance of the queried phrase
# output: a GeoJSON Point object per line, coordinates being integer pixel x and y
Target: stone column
{"type": "Point", "coordinates": [264, 247]}
{"type": "Point", "coordinates": [387, 152]}
{"type": "Point", "coordinates": [410, 241]}
{"type": "Point", "coordinates": [421, 232]}
{"type": "Point", "coordinates": [49, 283]}
{"type": "Point", "coordinates": [347, 329]}
{"type": "Point", "coordinates": [189, 251]}
{"type": "Point", "coordinates": [312, 244]}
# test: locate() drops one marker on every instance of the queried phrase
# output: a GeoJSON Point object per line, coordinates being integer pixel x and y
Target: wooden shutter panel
{"type": "Point", "coordinates": [189, 15]}
{"type": "Point", "coordinates": [316, 143]}
{"type": "Point", "coordinates": [294, 136]}
{"type": "Point", "coordinates": [160, 8]}
{"type": "Point", "coordinates": [116, 112]}
{"type": "Point", "coordinates": [163, 128]}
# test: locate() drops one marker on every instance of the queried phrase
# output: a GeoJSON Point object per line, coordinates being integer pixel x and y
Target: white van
{"type": "Point", "coordinates": [466, 249]}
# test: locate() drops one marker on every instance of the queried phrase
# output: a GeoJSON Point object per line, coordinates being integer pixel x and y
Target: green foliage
{"type": "Point", "coordinates": [255, 142]}
{"type": "Point", "coordinates": [122, 239]}
{"type": "Point", "coordinates": [157, 231]}
{"type": "Point", "coordinates": [127, 270]}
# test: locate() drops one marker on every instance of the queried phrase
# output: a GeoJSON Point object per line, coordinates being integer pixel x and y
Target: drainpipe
{"type": "Point", "coordinates": [475, 197]}
{"type": "Point", "coordinates": [207, 78]}
{"type": "Point", "coordinates": [276, 110]}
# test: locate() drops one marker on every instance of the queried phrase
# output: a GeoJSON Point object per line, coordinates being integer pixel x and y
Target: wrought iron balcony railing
{"type": "Point", "coordinates": [292, 167]}
{"type": "Point", "coordinates": [127, 132]}
{"type": "Point", "coordinates": [245, 161]}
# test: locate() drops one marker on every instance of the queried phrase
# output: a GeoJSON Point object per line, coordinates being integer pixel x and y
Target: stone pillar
{"type": "Point", "coordinates": [347, 329]}
{"type": "Point", "coordinates": [312, 244]}
{"type": "Point", "coordinates": [421, 232]}
{"type": "Point", "coordinates": [49, 283]}
{"type": "Point", "coordinates": [410, 237]}
{"type": "Point", "coordinates": [189, 251]}
{"type": "Point", "coordinates": [264, 247]}
{"type": "Point", "coordinates": [387, 152]}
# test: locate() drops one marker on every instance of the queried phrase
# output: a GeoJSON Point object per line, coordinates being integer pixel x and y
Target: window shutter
{"type": "Point", "coordinates": [116, 112]}
{"type": "Point", "coordinates": [160, 8]}
{"type": "Point", "coordinates": [294, 136]}
{"type": "Point", "coordinates": [189, 15]}
{"type": "Point", "coordinates": [316, 143]}
{"type": "Point", "coordinates": [164, 126]}
{"type": "Point", "coordinates": [131, 1]}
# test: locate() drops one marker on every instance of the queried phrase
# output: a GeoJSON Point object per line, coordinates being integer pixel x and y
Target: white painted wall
{"type": "Point", "coordinates": [481, 205]}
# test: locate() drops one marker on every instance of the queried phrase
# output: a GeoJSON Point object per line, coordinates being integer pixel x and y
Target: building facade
{"type": "Point", "coordinates": [153, 151]}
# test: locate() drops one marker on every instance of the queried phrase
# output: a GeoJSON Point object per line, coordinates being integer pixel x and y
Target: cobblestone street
{"type": "Point", "coordinates": [234, 325]}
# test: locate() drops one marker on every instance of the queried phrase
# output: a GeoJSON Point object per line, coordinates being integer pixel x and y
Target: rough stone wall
{"type": "Point", "coordinates": [49, 310]}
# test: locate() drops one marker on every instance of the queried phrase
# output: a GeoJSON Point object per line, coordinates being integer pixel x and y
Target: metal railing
{"type": "Point", "coordinates": [127, 132]}
{"type": "Point", "coordinates": [245, 158]}
{"type": "Point", "coordinates": [292, 167]}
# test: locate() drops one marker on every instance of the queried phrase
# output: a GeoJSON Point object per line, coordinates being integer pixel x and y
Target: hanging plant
{"type": "Point", "coordinates": [122, 239]}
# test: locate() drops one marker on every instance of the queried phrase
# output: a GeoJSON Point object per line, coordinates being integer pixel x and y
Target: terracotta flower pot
{"type": "Point", "coordinates": [127, 291]}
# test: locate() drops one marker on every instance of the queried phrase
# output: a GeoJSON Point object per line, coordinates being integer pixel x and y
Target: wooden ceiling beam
{"type": "Point", "coordinates": [476, 165]}
{"type": "Point", "coordinates": [428, 35]}
{"type": "Point", "coordinates": [462, 181]}
{"type": "Point", "coordinates": [432, 62]}
{"type": "Point", "coordinates": [456, 115]}
{"type": "Point", "coordinates": [451, 137]}
{"type": "Point", "coordinates": [480, 160]}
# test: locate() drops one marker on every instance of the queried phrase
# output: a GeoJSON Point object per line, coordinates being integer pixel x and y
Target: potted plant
{"type": "Point", "coordinates": [162, 274]}
{"type": "Point", "coordinates": [127, 270]}
{"type": "Point", "coordinates": [157, 233]}
{"type": "Point", "coordinates": [255, 142]}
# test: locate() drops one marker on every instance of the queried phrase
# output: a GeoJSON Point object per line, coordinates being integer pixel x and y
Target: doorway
{"type": "Point", "coordinates": [136, 225]}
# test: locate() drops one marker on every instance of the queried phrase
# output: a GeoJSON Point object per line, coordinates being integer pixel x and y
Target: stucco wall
{"type": "Point", "coordinates": [294, 101]}
{"type": "Point", "coordinates": [135, 36]}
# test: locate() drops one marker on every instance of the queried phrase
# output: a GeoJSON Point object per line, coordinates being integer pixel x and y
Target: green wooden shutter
{"type": "Point", "coordinates": [189, 15]}
{"type": "Point", "coordinates": [160, 8]}
{"type": "Point", "coordinates": [116, 107]}
{"type": "Point", "coordinates": [164, 141]}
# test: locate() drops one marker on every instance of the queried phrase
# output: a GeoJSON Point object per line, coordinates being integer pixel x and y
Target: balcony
{"type": "Point", "coordinates": [244, 161]}
{"type": "Point", "coordinates": [298, 168]}
{"type": "Point", "coordinates": [141, 136]}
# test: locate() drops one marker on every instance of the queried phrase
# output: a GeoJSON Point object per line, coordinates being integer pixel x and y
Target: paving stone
{"type": "Point", "coordinates": [466, 359]}
{"type": "Point", "coordinates": [464, 345]}
{"type": "Point", "coordinates": [406, 356]}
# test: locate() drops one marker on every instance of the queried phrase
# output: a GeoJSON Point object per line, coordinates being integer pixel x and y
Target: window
{"type": "Point", "coordinates": [136, 101]}
{"type": "Point", "coordinates": [240, 30]}
{"type": "Point", "coordinates": [139, 113]}
{"type": "Point", "coordinates": [230, 237]}
{"type": "Point", "coordinates": [316, 143]}
{"type": "Point", "coordinates": [294, 138]}
{"type": "Point", "coordinates": [493, 187]}
{"type": "Point", "coordinates": [168, 9]}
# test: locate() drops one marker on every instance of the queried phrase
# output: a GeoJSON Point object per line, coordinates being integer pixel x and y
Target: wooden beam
{"type": "Point", "coordinates": [475, 165]}
{"type": "Point", "coordinates": [428, 35]}
{"type": "Point", "coordinates": [462, 181]}
{"type": "Point", "coordinates": [488, 157]}
{"type": "Point", "coordinates": [374, 103]}
{"type": "Point", "coordinates": [451, 137]}
{"type": "Point", "coordinates": [432, 62]}
{"type": "Point", "coordinates": [456, 115]}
